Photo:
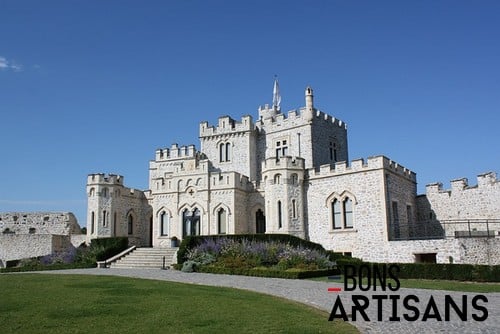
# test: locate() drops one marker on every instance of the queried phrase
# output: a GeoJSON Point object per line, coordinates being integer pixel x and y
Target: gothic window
{"type": "Point", "coordinates": [92, 192]}
{"type": "Point", "coordinates": [164, 219]}
{"type": "Point", "coordinates": [277, 179]}
{"type": "Point", "coordinates": [228, 151]}
{"type": "Point", "coordinates": [221, 153]}
{"type": "Point", "coordinates": [342, 213]}
{"type": "Point", "coordinates": [130, 224]}
{"type": "Point", "coordinates": [104, 192]}
{"type": "Point", "coordinates": [224, 152]}
{"type": "Point", "coordinates": [348, 213]}
{"type": "Point", "coordinates": [295, 179]}
{"type": "Point", "coordinates": [280, 216]}
{"type": "Point", "coordinates": [191, 222]}
{"type": "Point", "coordinates": [337, 214]}
{"type": "Point", "coordinates": [221, 221]}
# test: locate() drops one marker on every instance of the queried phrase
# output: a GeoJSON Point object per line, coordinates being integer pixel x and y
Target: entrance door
{"type": "Point", "coordinates": [260, 222]}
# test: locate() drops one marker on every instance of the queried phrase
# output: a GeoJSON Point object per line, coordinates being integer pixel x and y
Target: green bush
{"type": "Point", "coordinates": [266, 272]}
{"type": "Point", "coordinates": [108, 247]}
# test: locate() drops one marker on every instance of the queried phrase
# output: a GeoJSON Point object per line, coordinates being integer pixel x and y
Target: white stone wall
{"type": "Point", "coordinates": [23, 246]}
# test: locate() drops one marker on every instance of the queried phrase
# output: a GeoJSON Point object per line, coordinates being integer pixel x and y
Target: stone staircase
{"type": "Point", "coordinates": [147, 258]}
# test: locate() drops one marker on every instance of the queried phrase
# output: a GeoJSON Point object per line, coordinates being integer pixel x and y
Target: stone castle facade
{"type": "Point", "coordinates": [290, 173]}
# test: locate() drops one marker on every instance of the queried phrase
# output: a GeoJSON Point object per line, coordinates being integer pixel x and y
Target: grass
{"type": "Point", "coordinates": [43, 303]}
{"type": "Point", "coordinates": [433, 284]}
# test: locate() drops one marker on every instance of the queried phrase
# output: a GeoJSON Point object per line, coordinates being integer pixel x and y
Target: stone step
{"type": "Point", "coordinates": [147, 258]}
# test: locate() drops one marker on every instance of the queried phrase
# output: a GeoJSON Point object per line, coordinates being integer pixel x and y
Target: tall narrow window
{"type": "Point", "coordinates": [228, 151]}
{"type": "Point", "coordinates": [277, 179]}
{"type": "Point", "coordinates": [294, 208]}
{"type": "Point", "coordinates": [337, 215]}
{"type": "Point", "coordinates": [221, 152]}
{"type": "Point", "coordinates": [104, 218]}
{"type": "Point", "coordinates": [280, 216]}
{"type": "Point", "coordinates": [348, 213]}
{"type": "Point", "coordinates": [92, 222]}
{"type": "Point", "coordinates": [114, 224]}
{"type": "Point", "coordinates": [395, 217]}
{"type": "Point", "coordinates": [191, 222]}
{"type": "Point", "coordinates": [221, 221]}
{"type": "Point", "coordinates": [130, 224]}
{"type": "Point", "coordinates": [409, 214]}
{"type": "Point", "coordinates": [164, 218]}
{"type": "Point", "coordinates": [260, 222]}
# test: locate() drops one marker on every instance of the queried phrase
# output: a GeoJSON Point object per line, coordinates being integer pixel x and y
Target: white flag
{"type": "Point", "coordinates": [276, 95]}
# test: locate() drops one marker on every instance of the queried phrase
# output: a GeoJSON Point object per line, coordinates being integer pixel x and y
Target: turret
{"type": "Point", "coordinates": [309, 112]}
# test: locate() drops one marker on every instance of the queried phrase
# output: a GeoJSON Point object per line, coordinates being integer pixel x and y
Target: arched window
{"type": "Point", "coordinates": [92, 222]}
{"type": "Point", "coordinates": [221, 221]}
{"type": "Point", "coordinates": [336, 214]}
{"type": "Point", "coordinates": [164, 220]}
{"type": "Point", "coordinates": [92, 192]}
{"type": "Point", "coordinates": [277, 179]}
{"type": "Point", "coordinates": [348, 213]}
{"type": "Point", "coordinates": [280, 216]}
{"type": "Point", "coordinates": [104, 192]}
{"type": "Point", "coordinates": [295, 179]}
{"type": "Point", "coordinates": [130, 224]}
{"type": "Point", "coordinates": [222, 158]}
{"type": "Point", "coordinates": [191, 222]}
{"type": "Point", "coordinates": [228, 151]}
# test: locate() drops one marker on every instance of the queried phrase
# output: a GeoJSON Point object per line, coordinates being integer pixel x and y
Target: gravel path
{"type": "Point", "coordinates": [316, 294]}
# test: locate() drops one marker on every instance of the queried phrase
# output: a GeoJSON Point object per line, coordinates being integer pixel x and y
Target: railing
{"type": "Point", "coordinates": [107, 262]}
{"type": "Point", "coordinates": [446, 229]}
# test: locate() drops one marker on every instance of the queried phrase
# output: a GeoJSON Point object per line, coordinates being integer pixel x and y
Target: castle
{"type": "Point", "coordinates": [290, 173]}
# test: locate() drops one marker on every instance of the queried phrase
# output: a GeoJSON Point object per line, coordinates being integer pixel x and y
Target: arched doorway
{"type": "Point", "coordinates": [260, 222]}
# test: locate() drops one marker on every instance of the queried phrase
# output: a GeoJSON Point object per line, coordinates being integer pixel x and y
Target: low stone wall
{"type": "Point", "coordinates": [485, 251]}
{"type": "Point", "coordinates": [22, 246]}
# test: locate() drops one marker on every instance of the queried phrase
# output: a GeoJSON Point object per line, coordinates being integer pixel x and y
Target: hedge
{"type": "Point", "coordinates": [291, 274]}
{"type": "Point", "coordinates": [190, 242]}
{"type": "Point", "coordinates": [437, 271]}
{"type": "Point", "coordinates": [41, 267]}
{"type": "Point", "coordinates": [108, 247]}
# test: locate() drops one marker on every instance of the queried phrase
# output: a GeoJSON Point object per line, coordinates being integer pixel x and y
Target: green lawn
{"type": "Point", "coordinates": [434, 284]}
{"type": "Point", "coordinates": [44, 303]}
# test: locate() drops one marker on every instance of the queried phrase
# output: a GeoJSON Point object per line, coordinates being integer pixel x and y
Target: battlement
{"type": "Point", "coordinates": [296, 117]}
{"type": "Point", "coordinates": [286, 162]}
{"type": "Point", "coordinates": [226, 125]}
{"type": "Point", "coordinates": [175, 152]}
{"type": "Point", "coordinates": [359, 165]}
{"type": "Point", "coordinates": [229, 180]}
{"type": "Point", "coordinates": [105, 178]}
{"type": "Point", "coordinates": [484, 180]}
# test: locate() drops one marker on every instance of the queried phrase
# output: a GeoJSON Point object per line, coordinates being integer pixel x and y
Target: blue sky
{"type": "Point", "coordinates": [97, 86]}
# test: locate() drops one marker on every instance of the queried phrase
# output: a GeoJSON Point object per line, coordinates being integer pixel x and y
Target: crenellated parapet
{"type": "Point", "coordinates": [286, 162]}
{"type": "Point", "coordinates": [359, 165]}
{"type": "Point", "coordinates": [230, 180]}
{"type": "Point", "coordinates": [101, 178]}
{"type": "Point", "coordinates": [175, 152]}
{"type": "Point", "coordinates": [484, 181]}
{"type": "Point", "coordinates": [226, 126]}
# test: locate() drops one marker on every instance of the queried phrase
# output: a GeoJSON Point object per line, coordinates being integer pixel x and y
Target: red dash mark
{"type": "Point", "coordinates": [334, 289]}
